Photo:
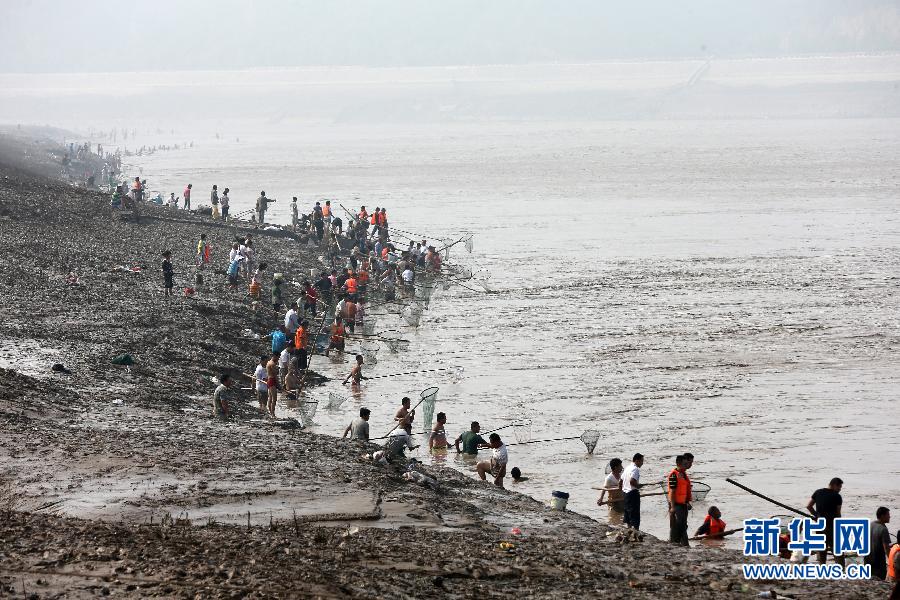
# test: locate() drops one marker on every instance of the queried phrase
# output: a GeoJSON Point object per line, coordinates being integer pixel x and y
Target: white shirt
{"type": "Point", "coordinates": [500, 456]}
{"type": "Point", "coordinates": [611, 482]}
{"type": "Point", "coordinates": [408, 276]}
{"type": "Point", "coordinates": [291, 321]}
{"type": "Point", "coordinates": [284, 359]}
{"type": "Point", "coordinates": [233, 255]}
{"type": "Point", "coordinates": [260, 375]}
{"type": "Point", "coordinates": [399, 438]}
{"type": "Point", "coordinates": [631, 472]}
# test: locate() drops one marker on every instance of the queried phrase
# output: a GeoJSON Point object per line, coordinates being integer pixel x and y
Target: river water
{"type": "Point", "coordinates": [725, 287]}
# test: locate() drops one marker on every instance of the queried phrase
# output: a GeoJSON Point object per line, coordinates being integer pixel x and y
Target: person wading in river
{"type": "Point", "coordinates": [403, 414]}
{"type": "Point", "coordinates": [631, 487]}
{"type": "Point", "coordinates": [336, 341]}
{"type": "Point", "coordinates": [826, 504]}
{"type": "Point", "coordinates": [713, 525]}
{"type": "Point", "coordinates": [613, 486]}
{"type": "Point", "coordinates": [679, 495]}
{"type": "Point", "coordinates": [497, 465]}
{"type": "Point", "coordinates": [437, 443]}
{"type": "Point", "coordinates": [470, 440]}
{"type": "Point", "coordinates": [356, 372]}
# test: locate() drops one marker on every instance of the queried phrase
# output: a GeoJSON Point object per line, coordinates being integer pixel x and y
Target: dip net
{"type": "Point", "coordinates": [412, 315]}
{"type": "Point", "coordinates": [308, 411]}
{"type": "Point", "coordinates": [522, 431]}
{"type": "Point", "coordinates": [469, 242]}
{"type": "Point", "coordinates": [394, 341]}
{"type": "Point", "coordinates": [368, 327]}
{"type": "Point", "coordinates": [590, 439]}
{"type": "Point", "coordinates": [699, 490]}
{"type": "Point", "coordinates": [483, 278]}
{"type": "Point", "coordinates": [335, 400]}
{"type": "Point", "coordinates": [445, 284]}
{"type": "Point", "coordinates": [429, 398]}
{"type": "Point", "coordinates": [369, 352]}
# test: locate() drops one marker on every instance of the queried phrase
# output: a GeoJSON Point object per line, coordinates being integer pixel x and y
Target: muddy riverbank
{"type": "Point", "coordinates": [118, 482]}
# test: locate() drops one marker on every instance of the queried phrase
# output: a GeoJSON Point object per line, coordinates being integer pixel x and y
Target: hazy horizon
{"type": "Point", "coordinates": [103, 36]}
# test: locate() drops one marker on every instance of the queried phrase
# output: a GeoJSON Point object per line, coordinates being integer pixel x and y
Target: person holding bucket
{"type": "Point", "coordinates": [497, 465]}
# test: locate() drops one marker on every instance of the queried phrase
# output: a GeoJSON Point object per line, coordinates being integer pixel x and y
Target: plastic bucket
{"type": "Point", "coordinates": [558, 500]}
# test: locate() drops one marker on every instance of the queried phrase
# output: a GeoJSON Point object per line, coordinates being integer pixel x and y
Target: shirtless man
{"type": "Point", "coordinates": [404, 415]}
{"type": "Point", "coordinates": [272, 381]}
{"type": "Point", "coordinates": [438, 440]}
{"type": "Point", "coordinates": [356, 372]}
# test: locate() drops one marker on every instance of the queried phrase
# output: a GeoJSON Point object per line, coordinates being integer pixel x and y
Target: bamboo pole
{"type": "Point", "coordinates": [766, 498]}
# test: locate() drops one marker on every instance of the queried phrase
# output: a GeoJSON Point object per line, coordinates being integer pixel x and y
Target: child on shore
{"type": "Point", "coordinates": [168, 273]}
{"type": "Point", "coordinates": [203, 251]}
{"type": "Point", "coordinates": [233, 270]}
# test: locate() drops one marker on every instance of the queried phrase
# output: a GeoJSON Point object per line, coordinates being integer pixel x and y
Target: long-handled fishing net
{"type": "Point", "coordinates": [369, 352]}
{"type": "Point", "coordinates": [412, 315]}
{"type": "Point", "coordinates": [335, 401]}
{"type": "Point", "coordinates": [699, 490]}
{"type": "Point", "coordinates": [429, 398]}
{"type": "Point", "coordinates": [308, 411]}
{"type": "Point", "coordinates": [482, 278]}
{"type": "Point", "coordinates": [590, 439]}
{"type": "Point", "coordinates": [368, 327]}
{"type": "Point", "coordinates": [394, 341]}
{"type": "Point", "coordinates": [522, 431]}
{"type": "Point", "coordinates": [469, 242]}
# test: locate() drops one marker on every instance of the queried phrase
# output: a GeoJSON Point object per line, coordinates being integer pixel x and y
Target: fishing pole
{"type": "Point", "coordinates": [397, 424]}
{"type": "Point", "coordinates": [713, 536]}
{"type": "Point", "coordinates": [775, 502]}
{"type": "Point", "coordinates": [577, 437]}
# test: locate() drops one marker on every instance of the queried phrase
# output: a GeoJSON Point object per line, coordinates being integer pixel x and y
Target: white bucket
{"type": "Point", "coordinates": [559, 500]}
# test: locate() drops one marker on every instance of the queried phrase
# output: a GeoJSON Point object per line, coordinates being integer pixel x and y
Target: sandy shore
{"type": "Point", "coordinates": [118, 481]}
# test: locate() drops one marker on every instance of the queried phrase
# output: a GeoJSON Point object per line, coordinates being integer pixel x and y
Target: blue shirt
{"type": "Point", "coordinates": [279, 341]}
{"type": "Point", "coordinates": [233, 267]}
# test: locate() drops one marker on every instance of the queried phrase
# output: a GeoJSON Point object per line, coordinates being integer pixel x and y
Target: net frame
{"type": "Point", "coordinates": [522, 432]}
{"type": "Point", "coordinates": [429, 399]}
{"type": "Point", "coordinates": [590, 438]}
{"type": "Point", "coordinates": [368, 327]}
{"type": "Point", "coordinates": [308, 411]}
{"type": "Point", "coordinates": [699, 490]}
{"type": "Point", "coordinates": [412, 314]}
{"type": "Point", "coordinates": [369, 351]}
{"type": "Point", "coordinates": [470, 243]}
{"type": "Point", "coordinates": [335, 400]}
{"type": "Point", "coordinates": [445, 284]}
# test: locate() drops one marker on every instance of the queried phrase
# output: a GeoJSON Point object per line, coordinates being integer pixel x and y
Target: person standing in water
{"type": "Point", "coordinates": [403, 414]}
{"type": "Point", "coordinates": [471, 440]}
{"type": "Point", "coordinates": [187, 196]}
{"type": "Point", "coordinates": [437, 443]}
{"type": "Point", "coordinates": [358, 429]}
{"type": "Point", "coordinates": [497, 465]}
{"type": "Point", "coordinates": [272, 382]}
{"type": "Point", "coordinates": [262, 203]}
{"type": "Point", "coordinates": [612, 486]}
{"type": "Point", "coordinates": [356, 372]}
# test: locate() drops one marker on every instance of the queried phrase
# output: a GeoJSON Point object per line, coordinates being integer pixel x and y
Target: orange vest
{"type": "Point", "coordinates": [337, 333]}
{"type": "Point", "coordinates": [351, 285]}
{"type": "Point", "coordinates": [382, 218]}
{"type": "Point", "coordinates": [716, 526]}
{"type": "Point", "coordinates": [682, 487]}
{"type": "Point", "coordinates": [363, 215]}
{"type": "Point", "coordinates": [893, 554]}
{"type": "Point", "coordinates": [374, 218]}
{"type": "Point", "coordinates": [300, 338]}
{"type": "Point", "coordinates": [326, 211]}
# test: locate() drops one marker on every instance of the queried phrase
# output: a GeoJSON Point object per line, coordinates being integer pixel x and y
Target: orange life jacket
{"type": "Point", "coordinates": [300, 338]}
{"type": "Point", "coordinates": [382, 218]}
{"type": "Point", "coordinates": [363, 215]}
{"type": "Point", "coordinates": [337, 333]}
{"type": "Point", "coordinates": [374, 219]}
{"type": "Point", "coordinates": [682, 486]}
{"type": "Point", "coordinates": [892, 573]}
{"type": "Point", "coordinates": [326, 211]}
{"type": "Point", "coordinates": [351, 285]}
{"type": "Point", "coordinates": [716, 526]}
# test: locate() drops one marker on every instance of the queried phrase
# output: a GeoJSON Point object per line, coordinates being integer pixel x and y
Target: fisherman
{"type": "Point", "coordinates": [348, 314]}
{"type": "Point", "coordinates": [356, 372]}
{"type": "Point", "coordinates": [713, 526]}
{"type": "Point", "coordinates": [631, 487]}
{"type": "Point", "coordinates": [825, 503]}
{"type": "Point", "coordinates": [399, 440]}
{"type": "Point", "coordinates": [497, 465]}
{"type": "Point", "coordinates": [284, 360]}
{"type": "Point", "coordinates": [437, 442]}
{"type": "Point", "coordinates": [326, 213]}
{"type": "Point", "coordinates": [404, 414]}
{"type": "Point", "coordinates": [214, 201]}
{"type": "Point", "coordinates": [351, 285]}
{"type": "Point", "coordinates": [259, 377]}
{"type": "Point", "coordinates": [679, 495]}
{"type": "Point", "coordinates": [168, 273]}
{"type": "Point", "coordinates": [310, 297]}
{"type": "Point", "coordinates": [221, 408]}
{"type": "Point", "coordinates": [516, 474]}
{"type": "Point", "coordinates": [358, 429]}
{"type": "Point", "coordinates": [291, 320]}
{"type": "Point", "coordinates": [301, 342]}
{"type": "Point", "coordinates": [470, 440]}
{"type": "Point", "coordinates": [337, 224]}
{"type": "Point", "coordinates": [324, 285]}
{"type": "Point", "coordinates": [389, 284]}
{"type": "Point", "coordinates": [879, 544]}
{"type": "Point", "coordinates": [292, 381]}
{"type": "Point", "coordinates": [272, 382]}
{"type": "Point", "coordinates": [187, 196]}
{"type": "Point", "coordinates": [294, 213]}
{"type": "Point", "coordinates": [336, 341]}
{"type": "Point", "coordinates": [226, 204]}
{"type": "Point", "coordinates": [173, 201]}
{"type": "Point", "coordinates": [613, 487]}
{"type": "Point", "coordinates": [318, 222]}
{"type": "Point", "coordinates": [262, 203]}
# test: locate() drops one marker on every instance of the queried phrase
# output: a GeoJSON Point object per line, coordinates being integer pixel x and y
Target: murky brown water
{"type": "Point", "coordinates": [727, 288]}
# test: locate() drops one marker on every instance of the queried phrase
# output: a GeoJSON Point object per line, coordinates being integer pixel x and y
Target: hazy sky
{"type": "Point", "coordinates": [139, 35]}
